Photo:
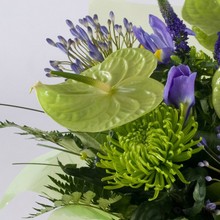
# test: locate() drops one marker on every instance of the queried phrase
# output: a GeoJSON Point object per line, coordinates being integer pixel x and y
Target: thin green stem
{"type": "Point", "coordinates": [84, 79]}
{"type": "Point", "coordinates": [211, 154]}
{"type": "Point", "coordinates": [59, 149]}
{"type": "Point", "coordinates": [42, 164]}
{"type": "Point", "coordinates": [213, 168]}
{"type": "Point", "coordinates": [21, 107]}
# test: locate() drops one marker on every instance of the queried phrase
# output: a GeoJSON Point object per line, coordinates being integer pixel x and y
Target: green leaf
{"type": "Point", "coordinates": [156, 209]}
{"type": "Point", "coordinates": [205, 16]}
{"type": "Point", "coordinates": [199, 194]}
{"type": "Point", "coordinates": [216, 217]}
{"type": "Point", "coordinates": [213, 191]}
{"type": "Point", "coordinates": [84, 107]}
{"type": "Point", "coordinates": [207, 41]}
{"type": "Point", "coordinates": [216, 92]}
{"type": "Point", "coordinates": [77, 212]}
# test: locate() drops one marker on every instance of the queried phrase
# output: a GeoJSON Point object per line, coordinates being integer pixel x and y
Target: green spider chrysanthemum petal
{"type": "Point", "coordinates": [148, 151]}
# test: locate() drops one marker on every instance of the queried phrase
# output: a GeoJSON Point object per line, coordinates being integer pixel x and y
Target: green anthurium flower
{"type": "Point", "coordinates": [205, 16]}
{"type": "Point", "coordinates": [108, 95]}
{"type": "Point", "coordinates": [216, 92]}
{"type": "Point", "coordinates": [207, 41]}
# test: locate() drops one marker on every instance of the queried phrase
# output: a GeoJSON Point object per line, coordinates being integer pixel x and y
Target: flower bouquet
{"type": "Point", "coordinates": [142, 115]}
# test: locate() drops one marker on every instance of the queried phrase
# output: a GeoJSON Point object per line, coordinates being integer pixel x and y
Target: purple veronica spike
{"type": "Point", "coordinates": [176, 27]}
{"type": "Point", "coordinates": [160, 42]}
{"type": "Point", "coordinates": [179, 87]}
{"type": "Point", "coordinates": [217, 49]}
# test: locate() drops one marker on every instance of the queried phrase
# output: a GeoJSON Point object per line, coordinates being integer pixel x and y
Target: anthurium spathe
{"type": "Point", "coordinates": [179, 87]}
{"type": "Point", "coordinates": [108, 95]}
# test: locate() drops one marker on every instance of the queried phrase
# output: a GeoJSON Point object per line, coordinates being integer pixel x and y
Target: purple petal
{"type": "Point", "coordinates": [144, 39]}
{"type": "Point", "coordinates": [179, 87]}
{"type": "Point", "coordinates": [160, 29]}
{"type": "Point", "coordinates": [164, 54]}
{"type": "Point", "coordinates": [94, 52]}
{"type": "Point", "coordinates": [183, 90]}
{"type": "Point", "coordinates": [82, 34]}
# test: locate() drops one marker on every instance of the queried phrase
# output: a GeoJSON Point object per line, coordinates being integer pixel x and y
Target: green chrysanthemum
{"type": "Point", "coordinates": [148, 151]}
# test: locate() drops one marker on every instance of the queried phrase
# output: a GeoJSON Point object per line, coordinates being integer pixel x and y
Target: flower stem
{"type": "Point", "coordinates": [84, 79]}
{"type": "Point", "coordinates": [22, 107]}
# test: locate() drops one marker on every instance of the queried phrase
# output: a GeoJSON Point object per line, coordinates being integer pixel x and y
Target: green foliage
{"type": "Point", "coordinates": [75, 191]}
{"type": "Point", "coordinates": [205, 67]}
{"type": "Point", "coordinates": [156, 210]}
{"type": "Point", "coordinates": [207, 41]}
{"type": "Point", "coordinates": [205, 16]}
{"type": "Point", "coordinates": [216, 92]}
{"type": "Point", "coordinates": [74, 143]}
{"type": "Point", "coordinates": [213, 191]}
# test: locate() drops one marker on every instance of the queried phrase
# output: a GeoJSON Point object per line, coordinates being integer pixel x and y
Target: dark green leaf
{"type": "Point", "coordinates": [213, 191]}
{"type": "Point", "coordinates": [153, 210]}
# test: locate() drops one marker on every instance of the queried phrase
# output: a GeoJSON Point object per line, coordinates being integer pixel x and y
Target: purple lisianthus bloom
{"type": "Point", "coordinates": [179, 87]}
{"type": "Point", "coordinates": [160, 42]}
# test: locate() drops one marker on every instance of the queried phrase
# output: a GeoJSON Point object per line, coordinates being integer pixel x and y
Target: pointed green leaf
{"type": "Point", "coordinates": [216, 92]}
{"type": "Point", "coordinates": [77, 212]}
{"type": "Point", "coordinates": [128, 93]}
{"type": "Point", "coordinates": [205, 16]}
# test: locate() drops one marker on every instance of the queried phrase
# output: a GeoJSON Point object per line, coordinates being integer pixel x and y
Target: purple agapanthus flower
{"type": "Point", "coordinates": [160, 42]}
{"type": "Point", "coordinates": [179, 87]}
{"type": "Point", "coordinates": [91, 44]}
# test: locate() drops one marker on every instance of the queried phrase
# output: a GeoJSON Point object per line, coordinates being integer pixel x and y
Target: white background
{"type": "Point", "coordinates": [24, 53]}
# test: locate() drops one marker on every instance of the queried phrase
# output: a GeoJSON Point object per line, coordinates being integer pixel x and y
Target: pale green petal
{"type": "Point", "coordinates": [216, 92]}
{"type": "Point", "coordinates": [85, 108]}
{"type": "Point", "coordinates": [77, 212]}
{"type": "Point", "coordinates": [207, 41]}
{"type": "Point", "coordinates": [204, 15]}
{"type": "Point", "coordinates": [35, 177]}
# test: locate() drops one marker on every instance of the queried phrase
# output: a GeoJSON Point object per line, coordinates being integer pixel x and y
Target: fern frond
{"type": "Point", "coordinates": [75, 143]}
{"type": "Point", "coordinates": [74, 191]}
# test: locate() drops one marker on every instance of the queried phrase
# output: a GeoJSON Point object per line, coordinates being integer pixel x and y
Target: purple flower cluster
{"type": "Point", "coordinates": [92, 43]}
{"type": "Point", "coordinates": [217, 49]}
{"type": "Point", "coordinates": [176, 27]}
